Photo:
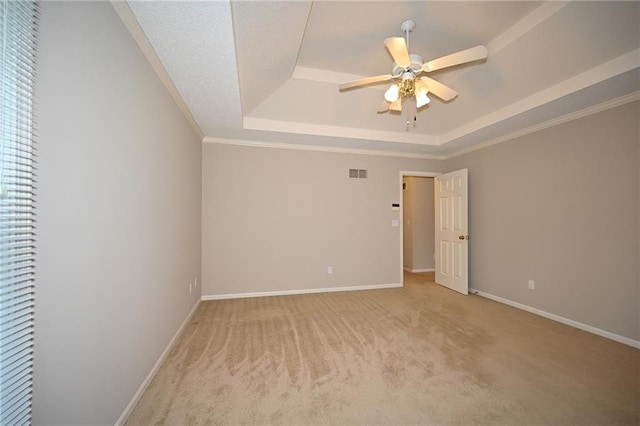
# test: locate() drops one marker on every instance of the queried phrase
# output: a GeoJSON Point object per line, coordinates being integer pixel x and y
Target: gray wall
{"type": "Point", "coordinates": [119, 217]}
{"type": "Point", "coordinates": [561, 207]}
{"type": "Point", "coordinates": [120, 211]}
{"type": "Point", "coordinates": [419, 222]}
{"type": "Point", "coordinates": [275, 219]}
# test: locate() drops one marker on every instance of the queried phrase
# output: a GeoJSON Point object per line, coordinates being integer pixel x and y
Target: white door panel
{"type": "Point", "coordinates": [451, 200]}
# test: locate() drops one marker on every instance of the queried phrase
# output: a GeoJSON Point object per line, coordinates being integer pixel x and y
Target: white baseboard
{"type": "Point", "coordinates": [303, 291]}
{"type": "Point", "coordinates": [417, 271]}
{"type": "Point", "coordinates": [136, 397]}
{"type": "Point", "coordinates": [558, 318]}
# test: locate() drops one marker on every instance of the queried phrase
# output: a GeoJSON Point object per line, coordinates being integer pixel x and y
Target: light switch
{"type": "Point", "coordinates": [394, 222]}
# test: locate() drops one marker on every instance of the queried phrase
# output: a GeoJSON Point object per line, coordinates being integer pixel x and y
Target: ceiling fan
{"type": "Point", "coordinates": [406, 71]}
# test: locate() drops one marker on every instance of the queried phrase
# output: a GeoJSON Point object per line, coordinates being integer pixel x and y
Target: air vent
{"type": "Point", "coordinates": [358, 173]}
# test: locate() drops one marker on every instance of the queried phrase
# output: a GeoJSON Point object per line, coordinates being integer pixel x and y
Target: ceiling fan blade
{"type": "Point", "coordinates": [365, 81]}
{"type": "Point", "coordinates": [384, 106]}
{"type": "Point", "coordinates": [396, 106]}
{"type": "Point", "coordinates": [442, 91]}
{"type": "Point", "coordinates": [469, 55]}
{"type": "Point", "coordinates": [398, 49]}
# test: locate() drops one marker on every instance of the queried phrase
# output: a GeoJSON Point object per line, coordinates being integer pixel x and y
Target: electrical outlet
{"type": "Point", "coordinates": [532, 285]}
{"type": "Point", "coordinates": [195, 280]}
{"type": "Point", "coordinates": [190, 288]}
{"type": "Point", "coordinates": [329, 269]}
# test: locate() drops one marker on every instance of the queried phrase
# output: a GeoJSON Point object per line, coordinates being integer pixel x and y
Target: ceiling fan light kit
{"type": "Point", "coordinates": [392, 93]}
{"type": "Point", "coordinates": [406, 69]}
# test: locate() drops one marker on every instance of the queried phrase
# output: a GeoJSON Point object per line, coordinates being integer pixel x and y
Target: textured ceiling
{"type": "Point", "coordinates": [268, 71]}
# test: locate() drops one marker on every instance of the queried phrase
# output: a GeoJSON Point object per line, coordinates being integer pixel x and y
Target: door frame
{"type": "Point", "coordinates": [403, 174]}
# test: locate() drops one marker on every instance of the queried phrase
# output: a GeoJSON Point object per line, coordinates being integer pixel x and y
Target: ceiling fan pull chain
{"type": "Point", "coordinates": [410, 109]}
{"type": "Point", "coordinates": [407, 128]}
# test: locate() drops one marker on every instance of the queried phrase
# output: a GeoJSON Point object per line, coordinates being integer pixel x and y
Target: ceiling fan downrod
{"type": "Point", "coordinates": [406, 27]}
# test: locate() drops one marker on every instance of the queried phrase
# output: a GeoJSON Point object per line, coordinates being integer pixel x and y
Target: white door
{"type": "Point", "coordinates": [452, 245]}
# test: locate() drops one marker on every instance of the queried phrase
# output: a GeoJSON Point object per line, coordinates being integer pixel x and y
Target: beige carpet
{"type": "Point", "coordinates": [417, 355]}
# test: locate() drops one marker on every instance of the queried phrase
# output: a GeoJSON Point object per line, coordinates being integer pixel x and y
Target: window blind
{"type": "Point", "coordinates": [18, 20]}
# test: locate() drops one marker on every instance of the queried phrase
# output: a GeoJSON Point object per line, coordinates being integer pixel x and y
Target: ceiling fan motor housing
{"type": "Point", "coordinates": [415, 68]}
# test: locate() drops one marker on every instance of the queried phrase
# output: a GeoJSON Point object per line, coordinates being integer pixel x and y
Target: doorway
{"type": "Point", "coordinates": [417, 224]}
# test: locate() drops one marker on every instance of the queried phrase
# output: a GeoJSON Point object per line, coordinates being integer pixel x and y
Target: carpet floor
{"type": "Point", "coordinates": [417, 355]}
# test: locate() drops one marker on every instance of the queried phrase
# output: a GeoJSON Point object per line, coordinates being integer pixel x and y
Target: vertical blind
{"type": "Point", "coordinates": [18, 20]}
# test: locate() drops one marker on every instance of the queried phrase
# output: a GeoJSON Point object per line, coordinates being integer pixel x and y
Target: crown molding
{"type": "Point", "coordinates": [632, 97]}
{"type": "Point", "coordinates": [318, 148]}
{"type": "Point", "coordinates": [598, 74]}
{"type": "Point", "coordinates": [255, 123]}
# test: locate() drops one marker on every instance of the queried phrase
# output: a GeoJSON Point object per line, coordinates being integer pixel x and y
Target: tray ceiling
{"type": "Point", "coordinates": [267, 72]}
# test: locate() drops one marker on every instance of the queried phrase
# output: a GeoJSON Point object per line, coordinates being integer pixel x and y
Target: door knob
{"type": "Point", "coordinates": [463, 237]}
